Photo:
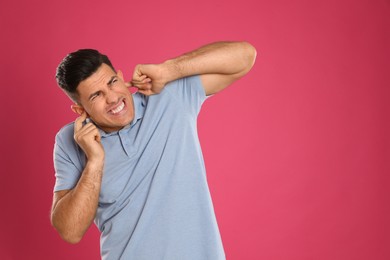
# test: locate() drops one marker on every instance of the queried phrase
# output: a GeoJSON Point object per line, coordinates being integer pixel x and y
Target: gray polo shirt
{"type": "Point", "coordinates": [154, 201]}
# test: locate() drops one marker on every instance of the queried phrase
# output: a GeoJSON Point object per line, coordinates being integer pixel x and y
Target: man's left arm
{"type": "Point", "coordinates": [218, 64]}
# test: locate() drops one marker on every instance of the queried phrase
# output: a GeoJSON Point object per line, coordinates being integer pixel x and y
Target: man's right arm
{"type": "Point", "coordinates": [74, 210]}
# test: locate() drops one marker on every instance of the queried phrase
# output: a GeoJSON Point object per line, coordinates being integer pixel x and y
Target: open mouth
{"type": "Point", "coordinates": [118, 109]}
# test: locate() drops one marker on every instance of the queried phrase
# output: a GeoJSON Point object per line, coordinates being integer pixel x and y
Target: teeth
{"type": "Point", "coordinates": [118, 109]}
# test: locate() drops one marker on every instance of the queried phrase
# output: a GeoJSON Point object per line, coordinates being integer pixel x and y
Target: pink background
{"type": "Point", "coordinates": [297, 152]}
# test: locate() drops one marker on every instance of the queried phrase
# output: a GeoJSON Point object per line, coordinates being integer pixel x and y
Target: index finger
{"type": "Point", "coordinates": [78, 123]}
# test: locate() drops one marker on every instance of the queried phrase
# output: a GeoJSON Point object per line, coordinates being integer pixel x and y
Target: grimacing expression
{"type": "Point", "coordinates": [107, 100]}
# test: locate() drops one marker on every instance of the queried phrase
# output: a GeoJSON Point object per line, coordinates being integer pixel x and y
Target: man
{"type": "Point", "coordinates": [132, 162]}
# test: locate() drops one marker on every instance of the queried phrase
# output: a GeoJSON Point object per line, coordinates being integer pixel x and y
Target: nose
{"type": "Point", "coordinates": [111, 97]}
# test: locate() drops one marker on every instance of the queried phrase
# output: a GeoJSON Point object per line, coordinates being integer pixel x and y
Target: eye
{"type": "Point", "coordinates": [113, 81]}
{"type": "Point", "coordinates": [94, 96]}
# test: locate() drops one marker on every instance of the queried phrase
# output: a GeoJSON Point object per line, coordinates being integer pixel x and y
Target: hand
{"type": "Point", "coordinates": [148, 78]}
{"type": "Point", "coordinates": [88, 138]}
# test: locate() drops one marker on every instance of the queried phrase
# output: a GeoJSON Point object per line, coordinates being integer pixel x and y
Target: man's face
{"type": "Point", "coordinates": [106, 99]}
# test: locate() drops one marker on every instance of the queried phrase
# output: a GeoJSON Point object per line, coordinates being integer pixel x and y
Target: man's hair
{"type": "Point", "coordinates": [78, 66]}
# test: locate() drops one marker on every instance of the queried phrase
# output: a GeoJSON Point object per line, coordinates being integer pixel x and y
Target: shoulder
{"type": "Point", "coordinates": [186, 89]}
{"type": "Point", "coordinates": [191, 81]}
{"type": "Point", "coordinates": [189, 92]}
{"type": "Point", "coordinates": [66, 148]}
{"type": "Point", "coordinates": [66, 131]}
{"type": "Point", "coordinates": [65, 136]}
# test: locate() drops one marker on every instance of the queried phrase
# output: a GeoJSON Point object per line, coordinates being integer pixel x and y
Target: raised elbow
{"type": "Point", "coordinates": [247, 58]}
{"type": "Point", "coordinates": [250, 54]}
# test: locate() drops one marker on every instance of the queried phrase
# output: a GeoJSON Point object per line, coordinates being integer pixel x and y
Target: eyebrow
{"type": "Point", "coordinates": [108, 84]}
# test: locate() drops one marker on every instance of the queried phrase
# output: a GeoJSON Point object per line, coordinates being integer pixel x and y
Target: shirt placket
{"type": "Point", "coordinates": [127, 145]}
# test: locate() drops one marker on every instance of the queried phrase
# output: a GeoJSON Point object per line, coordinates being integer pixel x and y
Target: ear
{"type": "Point", "coordinates": [77, 108]}
{"type": "Point", "coordinates": [120, 74]}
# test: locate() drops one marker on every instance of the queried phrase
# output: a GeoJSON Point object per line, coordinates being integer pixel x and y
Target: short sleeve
{"type": "Point", "coordinates": [67, 163]}
{"type": "Point", "coordinates": [189, 91]}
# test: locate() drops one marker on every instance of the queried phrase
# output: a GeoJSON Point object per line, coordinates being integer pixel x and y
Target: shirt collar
{"type": "Point", "coordinates": [139, 101]}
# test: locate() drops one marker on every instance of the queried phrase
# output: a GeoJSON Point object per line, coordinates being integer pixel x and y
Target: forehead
{"type": "Point", "coordinates": [98, 79]}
